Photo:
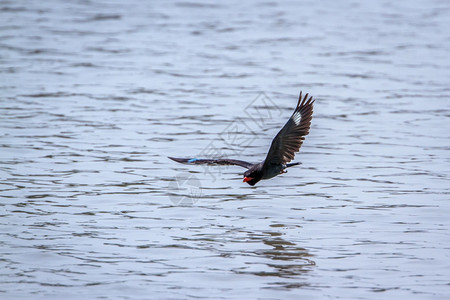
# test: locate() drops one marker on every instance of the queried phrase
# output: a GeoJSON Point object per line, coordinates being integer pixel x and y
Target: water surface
{"type": "Point", "coordinates": [96, 95]}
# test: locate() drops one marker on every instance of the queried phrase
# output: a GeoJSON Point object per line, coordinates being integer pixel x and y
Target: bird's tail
{"type": "Point", "coordinates": [292, 164]}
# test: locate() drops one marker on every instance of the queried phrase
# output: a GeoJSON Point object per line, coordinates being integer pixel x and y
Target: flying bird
{"type": "Point", "coordinates": [284, 146]}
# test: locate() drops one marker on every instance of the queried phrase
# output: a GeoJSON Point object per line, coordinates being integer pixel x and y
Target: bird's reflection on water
{"type": "Point", "coordinates": [282, 258]}
{"type": "Point", "coordinates": [260, 253]}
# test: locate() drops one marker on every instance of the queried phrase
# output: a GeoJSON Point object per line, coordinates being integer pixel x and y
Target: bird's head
{"type": "Point", "coordinates": [252, 176]}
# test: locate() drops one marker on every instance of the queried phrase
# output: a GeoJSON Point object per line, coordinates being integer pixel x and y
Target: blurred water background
{"type": "Point", "coordinates": [95, 95]}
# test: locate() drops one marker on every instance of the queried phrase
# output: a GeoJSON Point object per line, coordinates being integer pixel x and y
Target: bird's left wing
{"type": "Point", "coordinates": [223, 161]}
{"type": "Point", "coordinates": [290, 138]}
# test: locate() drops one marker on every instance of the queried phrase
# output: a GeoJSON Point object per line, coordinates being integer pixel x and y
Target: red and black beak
{"type": "Point", "coordinates": [247, 179]}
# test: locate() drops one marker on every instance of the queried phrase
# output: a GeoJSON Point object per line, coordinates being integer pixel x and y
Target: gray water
{"type": "Point", "coordinates": [96, 94]}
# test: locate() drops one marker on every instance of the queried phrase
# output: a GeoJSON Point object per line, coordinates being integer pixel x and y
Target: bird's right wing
{"type": "Point", "coordinates": [223, 161]}
{"type": "Point", "coordinates": [290, 138]}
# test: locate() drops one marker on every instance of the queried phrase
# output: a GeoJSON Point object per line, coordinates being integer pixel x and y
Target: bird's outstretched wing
{"type": "Point", "coordinates": [290, 138]}
{"type": "Point", "coordinates": [224, 161]}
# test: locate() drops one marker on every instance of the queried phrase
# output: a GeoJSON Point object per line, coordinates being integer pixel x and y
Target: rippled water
{"type": "Point", "coordinates": [96, 94]}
